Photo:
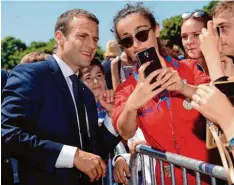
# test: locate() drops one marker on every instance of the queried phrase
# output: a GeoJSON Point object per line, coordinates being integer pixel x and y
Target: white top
{"type": "Point", "coordinates": [138, 137]}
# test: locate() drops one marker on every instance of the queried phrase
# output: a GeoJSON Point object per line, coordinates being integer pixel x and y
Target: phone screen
{"type": "Point", "coordinates": [149, 55]}
{"type": "Point", "coordinates": [226, 87]}
{"type": "Point", "coordinates": [231, 57]}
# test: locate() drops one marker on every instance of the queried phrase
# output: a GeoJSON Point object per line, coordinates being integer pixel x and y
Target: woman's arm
{"type": "Point", "coordinates": [143, 92]}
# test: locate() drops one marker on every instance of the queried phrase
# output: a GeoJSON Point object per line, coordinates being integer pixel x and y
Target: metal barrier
{"type": "Point", "coordinates": [119, 149]}
{"type": "Point", "coordinates": [199, 167]}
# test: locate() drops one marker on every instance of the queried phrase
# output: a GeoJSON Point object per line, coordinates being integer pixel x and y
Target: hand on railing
{"type": "Point", "coordinates": [133, 145]}
{"type": "Point", "coordinates": [121, 171]}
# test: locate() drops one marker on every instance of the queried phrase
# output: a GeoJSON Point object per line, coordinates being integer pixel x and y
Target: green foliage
{"type": "Point", "coordinates": [171, 26]}
{"type": "Point", "coordinates": [10, 51]}
{"type": "Point", "coordinates": [171, 30]}
{"type": "Point", "coordinates": [14, 49]}
{"type": "Point", "coordinates": [99, 53]}
{"type": "Point", "coordinates": [39, 46]}
{"type": "Point", "coordinates": [209, 7]}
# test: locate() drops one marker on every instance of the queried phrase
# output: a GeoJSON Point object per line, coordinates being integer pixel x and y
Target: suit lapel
{"type": "Point", "coordinates": [62, 84]}
{"type": "Point", "coordinates": [88, 98]}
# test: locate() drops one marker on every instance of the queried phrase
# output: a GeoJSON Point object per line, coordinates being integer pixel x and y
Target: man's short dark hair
{"type": "Point", "coordinates": [62, 21]}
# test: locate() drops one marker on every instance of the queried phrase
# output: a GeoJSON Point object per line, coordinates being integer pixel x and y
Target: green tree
{"type": "Point", "coordinates": [171, 26]}
{"type": "Point", "coordinates": [14, 49]}
{"type": "Point", "coordinates": [11, 49]}
{"type": "Point", "coordinates": [171, 30]}
{"type": "Point", "coordinates": [39, 46]}
{"type": "Point", "coordinates": [209, 7]}
{"type": "Point", "coordinates": [99, 53]}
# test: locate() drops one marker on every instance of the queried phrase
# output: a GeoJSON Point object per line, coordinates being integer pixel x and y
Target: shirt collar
{"type": "Point", "coordinates": [66, 70]}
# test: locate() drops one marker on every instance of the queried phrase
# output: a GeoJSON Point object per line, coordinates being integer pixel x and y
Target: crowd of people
{"type": "Point", "coordinates": [64, 113]}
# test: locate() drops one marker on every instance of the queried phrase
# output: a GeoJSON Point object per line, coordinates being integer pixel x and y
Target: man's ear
{"type": "Point", "coordinates": [157, 30]}
{"type": "Point", "coordinates": [59, 37]}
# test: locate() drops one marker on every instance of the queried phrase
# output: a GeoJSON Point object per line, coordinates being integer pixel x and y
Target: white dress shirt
{"type": "Point", "coordinates": [66, 156]}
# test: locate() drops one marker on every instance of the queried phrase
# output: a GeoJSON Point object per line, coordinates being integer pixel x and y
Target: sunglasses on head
{"type": "Point", "coordinates": [141, 36]}
{"type": "Point", "coordinates": [196, 14]}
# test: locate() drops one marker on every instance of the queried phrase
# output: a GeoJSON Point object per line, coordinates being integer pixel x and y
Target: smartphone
{"type": "Point", "coordinates": [231, 57]}
{"type": "Point", "coordinates": [149, 55]}
{"type": "Point", "coordinates": [226, 87]}
{"type": "Point", "coordinates": [218, 31]}
{"type": "Point", "coordinates": [128, 70]}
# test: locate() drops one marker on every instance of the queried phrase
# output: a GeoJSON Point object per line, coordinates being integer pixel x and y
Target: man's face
{"type": "Point", "coordinates": [79, 46]}
{"type": "Point", "coordinates": [225, 22]}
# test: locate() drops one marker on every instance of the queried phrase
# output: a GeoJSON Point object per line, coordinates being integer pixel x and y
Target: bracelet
{"type": "Point", "coordinates": [221, 79]}
{"type": "Point", "coordinates": [231, 144]}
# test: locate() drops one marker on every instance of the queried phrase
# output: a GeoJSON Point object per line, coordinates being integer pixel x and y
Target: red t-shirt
{"type": "Point", "coordinates": [166, 111]}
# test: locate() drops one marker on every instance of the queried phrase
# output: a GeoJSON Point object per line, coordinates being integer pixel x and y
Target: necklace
{"type": "Point", "coordinates": [165, 96]}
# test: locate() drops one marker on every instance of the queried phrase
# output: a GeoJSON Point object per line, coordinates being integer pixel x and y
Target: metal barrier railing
{"type": "Point", "coordinates": [119, 149]}
{"type": "Point", "coordinates": [186, 163]}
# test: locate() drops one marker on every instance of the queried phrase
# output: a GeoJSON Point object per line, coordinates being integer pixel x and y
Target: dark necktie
{"type": "Point", "coordinates": [78, 95]}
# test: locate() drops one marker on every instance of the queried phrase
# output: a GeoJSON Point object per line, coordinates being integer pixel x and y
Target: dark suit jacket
{"type": "Point", "coordinates": [38, 118]}
{"type": "Point", "coordinates": [6, 172]}
{"type": "Point", "coordinates": [4, 76]}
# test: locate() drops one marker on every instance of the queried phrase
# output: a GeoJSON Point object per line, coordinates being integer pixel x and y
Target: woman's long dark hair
{"type": "Point", "coordinates": [137, 8]}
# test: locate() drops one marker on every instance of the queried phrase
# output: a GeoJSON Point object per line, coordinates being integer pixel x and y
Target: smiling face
{"type": "Point", "coordinates": [79, 46]}
{"type": "Point", "coordinates": [132, 24]}
{"type": "Point", "coordinates": [190, 31]}
{"type": "Point", "coordinates": [94, 78]}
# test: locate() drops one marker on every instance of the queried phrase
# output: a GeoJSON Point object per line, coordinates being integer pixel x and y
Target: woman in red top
{"type": "Point", "coordinates": [165, 114]}
{"type": "Point", "coordinates": [191, 28]}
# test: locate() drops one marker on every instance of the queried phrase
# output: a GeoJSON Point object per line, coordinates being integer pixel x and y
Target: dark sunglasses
{"type": "Point", "coordinates": [196, 14]}
{"type": "Point", "coordinates": [141, 36]}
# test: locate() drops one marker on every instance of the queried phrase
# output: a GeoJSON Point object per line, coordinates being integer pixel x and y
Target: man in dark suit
{"type": "Point", "coordinates": [6, 172]}
{"type": "Point", "coordinates": [49, 117]}
{"type": "Point", "coordinates": [4, 76]}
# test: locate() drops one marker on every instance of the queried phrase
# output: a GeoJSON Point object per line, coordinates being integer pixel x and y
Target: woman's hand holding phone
{"type": "Point", "coordinates": [145, 90]}
{"type": "Point", "coordinates": [170, 80]}
{"type": "Point", "coordinates": [166, 79]}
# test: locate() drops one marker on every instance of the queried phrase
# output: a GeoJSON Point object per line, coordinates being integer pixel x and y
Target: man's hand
{"type": "Point", "coordinates": [121, 168]}
{"type": "Point", "coordinates": [210, 43]}
{"type": "Point", "coordinates": [90, 164]}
